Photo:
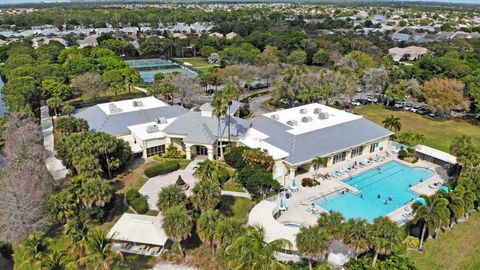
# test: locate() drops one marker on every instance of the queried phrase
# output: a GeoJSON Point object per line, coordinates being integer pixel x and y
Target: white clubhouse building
{"type": "Point", "coordinates": [293, 137]}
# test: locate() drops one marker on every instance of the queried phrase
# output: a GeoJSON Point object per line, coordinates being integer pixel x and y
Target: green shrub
{"type": "Point", "coordinates": [257, 181]}
{"type": "Point", "coordinates": [173, 152]}
{"type": "Point", "coordinates": [402, 154]}
{"type": "Point", "coordinates": [137, 201]}
{"type": "Point", "coordinates": [234, 157]}
{"type": "Point", "coordinates": [162, 168]}
{"type": "Point", "coordinates": [411, 242]}
{"type": "Point", "coordinates": [411, 159]}
{"type": "Point", "coordinates": [223, 175]}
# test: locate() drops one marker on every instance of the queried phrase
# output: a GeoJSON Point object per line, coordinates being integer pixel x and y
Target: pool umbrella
{"type": "Point", "coordinates": [294, 186]}
{"type": "Point", "coordinates": [445, 188]}
{"type": "Point", "coordinates": [283, 206]}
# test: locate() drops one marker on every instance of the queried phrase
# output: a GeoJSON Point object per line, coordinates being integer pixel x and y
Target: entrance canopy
{"type": "Point", "coordinates": [141, 229]}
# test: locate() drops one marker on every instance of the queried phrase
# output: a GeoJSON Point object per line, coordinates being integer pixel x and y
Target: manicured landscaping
{"type": "Point", "coordinates": [456, 249]}
{"type": "Point", "coordinates": [183, 162]}
{"type": "Point", "coordinates": [235, 207]}
{"type": "Point", "coordinates": [438, 133]}
{"type": "Point", "coordinates": [231, 186]}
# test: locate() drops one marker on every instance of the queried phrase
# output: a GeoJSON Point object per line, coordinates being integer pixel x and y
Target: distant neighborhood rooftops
{"type": "Point", "coordinates": [409, 53]}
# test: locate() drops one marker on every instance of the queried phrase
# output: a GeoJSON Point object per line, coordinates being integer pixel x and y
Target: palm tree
{"type": "Point", "coordinates": [206, 227]}
{"type": "Point", "coordinates": [468, 197]}
{"type": "Point", "coordinates": [206, 195]}
{"type": "Point", "coordinates": [230, 93]}
{"type": "Point", "coordinates": [227, 230]}
{"type": "Point", "coordinates": [319, 162]}
{"type": "Point", "coordinates": [54, 103]}
{"type": "Point", "coordinates": [206, 170]}
{"type": "Point", "coordinates": [77, 231]}
{"type": "Point", "coordinates": [434, 214]}
{"type": "Point", "coordinates": [383, 235]}
{"type": "Point", "coordinates": [219, 110]}
{"type": "Point", "coordinates": [393, 123]}
{"type": "Point", "coordinates": [56, 260]}
{"type": "Point", "coordinates": [356, 234]}
{"type": "Point", "coordinates": [332, 223]}
{"type": "Point", "coordinates": [170, 196]}
{"type": "Point", "coordinates": [100, 253]}
{"type": "Point", "coordinates": [456, 205]}
{"type": "Point", "coordinates": [250, 251]}
{"type": "Point", "coordinates": [177, 224]}
{"type": "Point", "coordinates": [312, 241]}
{"type": "Point", "coordinates": [35, 248]}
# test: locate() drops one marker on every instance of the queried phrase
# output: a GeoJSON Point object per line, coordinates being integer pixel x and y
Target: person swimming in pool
{"type": "Point", "coordinates": [390, 198]}
{"type": "Point", "coordinates": [421, 180]}
{"type": "Point", "coordinates": [378, 196]}
{"type": "Point", "coordinates": [409, 185]}
{"type": "Point", "coordinates": [361, 196]}
{"type": "Point", "coordinates": [386, 202]}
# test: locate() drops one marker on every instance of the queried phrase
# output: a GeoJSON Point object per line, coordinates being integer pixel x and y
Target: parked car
{"type": "Point", "coordinates": [423, 111]}
{"type": "Point", "coordinates": [355, 103]}
{"type": "Point", "coordinates": [415, 108]}
{"type": "Point", "coordinates": [399, 105]}
{"type": "Point", "coordinates": [255, 86]}
{"type": "Point", "coordinates": [434, 114]}
{"type": "Point", "coordinates": [407, 107]}
{"type": "Point", "coordinates": [371, 99]}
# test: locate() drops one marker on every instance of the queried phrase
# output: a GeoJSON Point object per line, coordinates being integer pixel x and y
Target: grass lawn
{"type": "Point", "coordinates": [438, 133]}
{"type": "Point", "coordinates": [231, 186]}
{"type": "Point", "coordinates": [235, 207]}
{"type": "Point", "coordinates": [456, 249]}
{"type": "Point", "coordinates": [183, 162]}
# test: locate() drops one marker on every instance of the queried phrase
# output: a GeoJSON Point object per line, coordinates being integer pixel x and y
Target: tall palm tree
{"type": "Point", "coordinates": [230, 94]}
{"type": "Point", "coordinates": [250, 251]}
{"type": "Point", "coordinates": [77, 231]}
{"type": "Point", "coordinates": [56, 260]}
{"type": "Point", "coordinates": [333, 223]}
{"type": "Point", "coordinates": [207, 226]}
{"type": "Point", "coordinates": [171, 196]}
{"type": "Point", "coordinates": [319, 162]}
{"type": "Point", "coordinates": [206, 195]}
{"type": "Point", "coordinates": [219, 110]}
{"type": "Point", "coordinates": [468, 197]}
{"type": "Point", "coordinates": [434, 214]}
{"type": "Point", "coordinates": [393, 123]}
{"type": "Point", "coordinates": [35, 248]}
{"type": "Point", "coordinates": [228, 229]}
{"type": "Point", "coordinates": [206, 170]}
{"type": "Point", "coordinates": [383, 236]}
{"type": "Point", "coordinates": [177, 224]}
{"type": "Point", "coordinates": [456, 205]}
{"type": "Point", "coordinates": [356, 234]}
{"type": "Point", "coordinates": [312, 241]}
{"type": "Point", "coordinates": [100, 253]}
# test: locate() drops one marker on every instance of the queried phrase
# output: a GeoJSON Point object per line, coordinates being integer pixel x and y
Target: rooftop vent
{"type": "Point", "coordinates": [307, 119]}
{"type": "Point", "coordinates": [113, 108]}
{"type": "Point", "coordinates": [152, 128]}
{"type": "Point", "coordinates": [137, 103]}
{"type": "Point", "coordinates": [317, 110]}
{"type": "Point", "coordinates": [161, 120]}
{"type": "Point", "coordinates": [275, 116]}
{"type": "Point", "coordinates": [323, 115]}
{"type": "Point", "coordinates": [292, 123]}
{"type": "Point", "coordinates": [303, 111]}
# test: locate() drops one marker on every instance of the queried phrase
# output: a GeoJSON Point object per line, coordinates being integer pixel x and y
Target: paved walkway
{"type": "Point", "coordinates": [256, 105]}
{"type": "Point", "coordinates": [54, 165]}
{"type": "Point", "coordinates": [169, 266]}
{"type": "Point", "coordinates": [236, 194]}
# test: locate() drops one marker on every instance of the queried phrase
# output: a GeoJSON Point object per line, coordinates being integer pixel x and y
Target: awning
{"type": "Point", "coordinates": [435, 153]}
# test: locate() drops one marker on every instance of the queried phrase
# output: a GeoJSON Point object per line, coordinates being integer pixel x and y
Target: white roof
{"type": "Point", "coordinates": [255, 139]}
{"type": "Point", "coordinates": [262, 215]}
{"type": "Point", "coordinates": [128, 105]}
{"type": "Point", "coordinates": [435, 153]}
{"type": "Point", "coordinates": [141, 229]}
{"type": "Point", "coordinates": [335, 117]}
{"type": "Point", "coordinates": [140, 131]}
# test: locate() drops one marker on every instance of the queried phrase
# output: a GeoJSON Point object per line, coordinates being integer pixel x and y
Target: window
{"type": "Point", "coordinates": [159, 149]}
{"type": "Point", "coordinates": [339, 157]}
{"type": "Point", "coordinates": [373, 146]}
{"type": "Point", "coordinates": [357, 151]}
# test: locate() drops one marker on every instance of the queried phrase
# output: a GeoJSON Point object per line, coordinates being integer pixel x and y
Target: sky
{"type": "Point", "coordinates": [39, 1]}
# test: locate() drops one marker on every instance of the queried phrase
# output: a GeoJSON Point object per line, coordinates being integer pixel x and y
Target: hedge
{"type": "Point", "coordinates": [234, 157]}
{"type": "Point", "coordinates": [137, 201]}
{"type": "Point", "coordinates": [162, 168]}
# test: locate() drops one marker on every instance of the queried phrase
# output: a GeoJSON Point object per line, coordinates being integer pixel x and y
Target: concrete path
{"type": "Point", "coordinates": [236, 194]}
{"type": "Point", "coordinates": [169, 266]}
{"type": "Point", "coordinates": [54, 165]}
{"type": "Point", "coordinates": [256, 107]}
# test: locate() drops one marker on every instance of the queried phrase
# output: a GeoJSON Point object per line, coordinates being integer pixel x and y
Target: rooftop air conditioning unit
{"type": "Point", "coordinates": [317, 110]}
{"type": "Point", "coordinates": [303, 111]}
{"type": "Point", "coordinates": [161, 120]}
{"type": "Point", "coordinates": [137, 103]}
{"type": "Point", "coordinates": [292, 122]}
{"type": "Point", "coordinates": [307, 119]}
{"type": "Point", "coordinates": [323, 115]}
{"type": "Point", "coordinates": [113, 108]}
{"type": "Point", "coordinates": [275, 116]}
{"type": "Point", "coordinates": [152, 128]}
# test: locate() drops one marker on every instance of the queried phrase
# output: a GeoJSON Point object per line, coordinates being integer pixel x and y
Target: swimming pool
{"type": "Point", "coordinates": [391, 179]}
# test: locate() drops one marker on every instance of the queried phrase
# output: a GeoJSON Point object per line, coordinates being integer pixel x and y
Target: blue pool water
{"type": "Point", "coordinates": [392, 179]}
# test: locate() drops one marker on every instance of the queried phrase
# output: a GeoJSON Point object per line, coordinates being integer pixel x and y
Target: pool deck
{"type": "Point", "coordinates": [301, 211]}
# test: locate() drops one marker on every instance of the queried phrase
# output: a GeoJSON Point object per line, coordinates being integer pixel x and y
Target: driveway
{"type": "Point", "coordinates": [255, 105]}
{"type": "Point", "coordinates": [153, 186]}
